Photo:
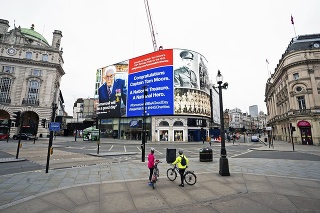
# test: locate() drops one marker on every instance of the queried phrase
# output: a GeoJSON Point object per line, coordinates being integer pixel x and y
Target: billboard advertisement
{"type": "Point", "coordinates": [176, 81]}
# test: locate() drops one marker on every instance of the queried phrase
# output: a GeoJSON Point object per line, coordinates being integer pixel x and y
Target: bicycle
{"type": "Point", "coordinates": [189, 177]}
{"type": "Point", "coordinates": [155, 174]}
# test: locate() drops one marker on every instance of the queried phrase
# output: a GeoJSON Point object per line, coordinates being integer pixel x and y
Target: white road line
{"type": "Point", "coordinates": [139, 149]}
{"type": "Point", "coordinates": [125, 150]}
{"type": "Point", "coordinates": [111, 148]}
{"type": "Point", "coordinates": [159, 152]}
{"type": "Point", "coordinates": [241, 153]}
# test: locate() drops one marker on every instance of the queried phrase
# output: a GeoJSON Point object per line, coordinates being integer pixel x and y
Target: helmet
{"type": "Point", "coordinates": [152, 150]}
{"type": "Point", "coordinates": [180, 151]}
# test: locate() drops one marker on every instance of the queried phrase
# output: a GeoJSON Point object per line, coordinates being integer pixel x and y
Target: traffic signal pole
{"type": "Point", "coordinates": [54, 108]}
{"type": "Point", "coordinates": [20, 131]}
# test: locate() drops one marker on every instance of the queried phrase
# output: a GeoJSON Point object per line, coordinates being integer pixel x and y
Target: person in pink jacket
{"type": "Point", "coordinates": [151, 160]}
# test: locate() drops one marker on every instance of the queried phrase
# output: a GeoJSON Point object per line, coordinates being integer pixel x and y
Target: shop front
{"type": "Point", "coordinates": [132, 128]}
{"type": "Point", "coordinates": [305, 130]}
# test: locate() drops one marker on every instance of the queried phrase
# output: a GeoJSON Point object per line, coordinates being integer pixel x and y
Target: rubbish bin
{"type": "Point", "coordinates": [171, 155]}
{"type": "Point", "coordinates": [205, 154]}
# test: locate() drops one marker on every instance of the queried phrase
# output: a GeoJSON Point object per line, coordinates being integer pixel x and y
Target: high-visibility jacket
{"type": "Point", "coordinates": [178, 161]}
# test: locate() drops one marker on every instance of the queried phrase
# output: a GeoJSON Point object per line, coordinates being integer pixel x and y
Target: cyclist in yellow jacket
{"type": "Point", "coordinates": [181, 167]}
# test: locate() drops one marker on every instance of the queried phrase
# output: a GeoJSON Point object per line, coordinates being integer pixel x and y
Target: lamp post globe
{"type": "Point", "coordinates": [219, 78]}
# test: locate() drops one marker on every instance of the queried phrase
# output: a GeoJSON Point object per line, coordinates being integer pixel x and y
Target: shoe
{"type": "Point", "coordinates": [181, 185]}
{"type": "Point", "coordinates": [150, 184]}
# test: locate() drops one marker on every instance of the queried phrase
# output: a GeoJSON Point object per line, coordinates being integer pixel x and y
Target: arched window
{"type": "Point", "coordinates": [178, 123]}
{"type": "Point", "coordinates": [5, 86]}
{"type": "Point", "coordinates": [45, 57]}
{"type": "Point", "coordinates": [28, 55]}
{"type": "Point", "coordinates": [33, 92]}
{"type": "Point", "coordinates": [164, 123]}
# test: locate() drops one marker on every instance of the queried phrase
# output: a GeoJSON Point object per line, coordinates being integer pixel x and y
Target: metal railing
{"type": "Point", "coordinates": [5, 100]}
{"type": "Point", "coordinates": [29, 101]}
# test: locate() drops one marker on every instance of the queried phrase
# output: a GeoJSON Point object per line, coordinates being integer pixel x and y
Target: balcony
{"type": "Point", "coordinates": [5, 100]}
{"type": "Point", "coordinates": [302, 112]}
{"type": "Point", "coordinates": [29, 101]}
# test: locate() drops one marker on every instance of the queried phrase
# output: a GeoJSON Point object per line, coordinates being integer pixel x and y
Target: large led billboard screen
{"type": "Point", "coordinates": [177, 82]}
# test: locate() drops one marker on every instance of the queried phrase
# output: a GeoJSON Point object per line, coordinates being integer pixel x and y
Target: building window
{"type": "Point", "coordinates": [28, 55]}
{"type": "Point", "coordinates": [178, 135]}
{"type": "Point", "coordinates": [298, 89]}
{"type": "Point", "coordinates": [45, 57]}
{"type": "Point", "coordinates": [33, 92]}
{"type": "Point", "coordinates": [5, 86]}
{"type": "Point", "coordinates": [164, 135]}
{"type": "Point", "coordinates": [8, 69]}
{"type": "Point", "coordinates": [36, 72]}
{"type": "Point", "coordinates": [164, 123]}
{"type": "Point", "coordinates": [301, 102]}
{"type": "Point", "coordinates": [296, 76]}
{"type": "Point", "coordinates": [178, 123]}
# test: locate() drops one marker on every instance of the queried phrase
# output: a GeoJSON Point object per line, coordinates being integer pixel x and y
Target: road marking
{"type": "Point", "coordinates": [241, 153]}
{"type": "Point", "coordinates": [111, 148]}
{"type": "Point", "coordinates": [158, 152]}
{"type": "Point", "coordinates": [125, 150]}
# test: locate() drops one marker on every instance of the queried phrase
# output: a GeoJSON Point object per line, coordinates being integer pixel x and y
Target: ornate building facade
{"type": "Point", "coordinates": [30, 75]}
{"type": "Point", "coordinates": [292, 92]}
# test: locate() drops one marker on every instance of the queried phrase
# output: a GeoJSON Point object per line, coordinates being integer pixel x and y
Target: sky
{"type": "Point", "coordinates": [236, 37]}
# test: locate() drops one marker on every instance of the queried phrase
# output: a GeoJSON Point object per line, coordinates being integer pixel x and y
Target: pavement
{"type": "Point", "coordinates": [254, 185]}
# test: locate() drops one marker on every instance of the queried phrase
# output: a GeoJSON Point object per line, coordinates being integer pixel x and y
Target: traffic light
{"type": "Point", "coordinates": [43, 122]}
{"type": "Point", "coordinates": [17, 118]}
{"type": "Point", "coordinates": [9, 123]}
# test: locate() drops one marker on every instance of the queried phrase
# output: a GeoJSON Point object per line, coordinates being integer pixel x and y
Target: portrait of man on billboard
{"type": "Point", "coordinates": [185, 76]}
{"type": "Point", "coordinates": [112, 94]}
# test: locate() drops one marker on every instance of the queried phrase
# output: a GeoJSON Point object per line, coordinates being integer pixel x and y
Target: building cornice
{"type": "Point", "coordinates": [34, 63]}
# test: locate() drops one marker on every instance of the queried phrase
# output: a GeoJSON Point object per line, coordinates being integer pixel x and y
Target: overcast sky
{"type": "Point", "coordinates": [235, 36]}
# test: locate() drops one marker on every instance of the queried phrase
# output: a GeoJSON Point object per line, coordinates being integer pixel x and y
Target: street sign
{"type": "Point", "coordinates": [54, 126]}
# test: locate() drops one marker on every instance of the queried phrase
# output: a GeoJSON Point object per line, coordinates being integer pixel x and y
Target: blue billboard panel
{"type": "Point", "coordinates": [158, 100]}
{"type": "Point", "coordinates": [177, 81]}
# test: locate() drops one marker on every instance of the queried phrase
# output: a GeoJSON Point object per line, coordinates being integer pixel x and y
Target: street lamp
{"type": "Point", "coordinates": [224, 165]}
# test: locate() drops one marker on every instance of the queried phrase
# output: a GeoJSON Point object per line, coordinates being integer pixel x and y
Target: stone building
{"type": "Point", "coordinates": [30, 76]}
{"type": "Point", "coordinates": [292, 92]}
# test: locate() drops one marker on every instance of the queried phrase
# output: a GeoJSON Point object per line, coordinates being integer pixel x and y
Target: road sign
{"type": "Point", "coordinates": [54, 126]}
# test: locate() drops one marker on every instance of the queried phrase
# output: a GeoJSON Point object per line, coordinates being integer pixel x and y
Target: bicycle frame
{"type": "Point", "coordinates": [189, 176]}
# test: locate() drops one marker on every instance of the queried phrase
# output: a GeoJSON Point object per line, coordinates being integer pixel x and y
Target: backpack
{"type": "Point", "coordinates": [183, 161]}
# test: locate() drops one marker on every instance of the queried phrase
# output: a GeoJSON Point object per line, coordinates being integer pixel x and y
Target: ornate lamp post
{"type": "Point", "coordinates": [224, 165]}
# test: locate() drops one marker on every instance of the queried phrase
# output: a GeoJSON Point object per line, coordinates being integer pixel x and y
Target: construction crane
{"type": "Point", "coordinates": [151, 26]}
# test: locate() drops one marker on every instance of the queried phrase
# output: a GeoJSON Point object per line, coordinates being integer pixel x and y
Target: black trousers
{"type": "Point", "coordinates": [181, 171]}
{"type": "Point", "coordinates": [151, 172]}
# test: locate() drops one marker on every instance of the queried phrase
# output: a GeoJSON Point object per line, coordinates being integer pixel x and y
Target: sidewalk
{"type": "Point", "coordinates": [264, 185]}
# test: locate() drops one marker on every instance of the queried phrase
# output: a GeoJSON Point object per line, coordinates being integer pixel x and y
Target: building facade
{"type": "Point", "coordinates": [292, 92]}
{"type": "Point", "coordinates": [253, 110]}
{"type": "Point", "coordinates": [30, 76]}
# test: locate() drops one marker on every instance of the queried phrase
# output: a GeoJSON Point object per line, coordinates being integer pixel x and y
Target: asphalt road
{"type": "Point", "coordinates": [288, 155]}
{"type": "Point", "coordinates": [68, 153]}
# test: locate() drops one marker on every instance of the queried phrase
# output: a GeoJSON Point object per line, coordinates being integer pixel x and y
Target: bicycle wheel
{"type": "Point", "coordinates": [156, 172]}
{"type": "Point", "coordinates": [190, 178]}
{"type": "Point", "coordinates": [171, 174]}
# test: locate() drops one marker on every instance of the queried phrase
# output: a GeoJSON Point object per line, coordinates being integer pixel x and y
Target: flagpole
{"type": "Point", "coordinates": [294, 29]}
{"type": "Point", "coordinates": [267, 62]}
